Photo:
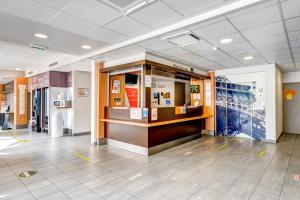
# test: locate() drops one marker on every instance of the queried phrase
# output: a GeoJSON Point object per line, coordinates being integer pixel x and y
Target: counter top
{"type": "Point", "coordinates": [155, 123]}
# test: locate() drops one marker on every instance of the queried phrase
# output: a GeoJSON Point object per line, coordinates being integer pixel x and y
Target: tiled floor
{"type": "Point", "coordinates": [209, 168]}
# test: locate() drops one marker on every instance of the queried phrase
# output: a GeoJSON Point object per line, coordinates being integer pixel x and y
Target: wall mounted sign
{"type": "Point", "coordinates": [82, 92]}
{"type": "Point", "coordinates": [136, 113]}
{"type": "Point", "coordinates": [208, 94]}
{"type": "Point", "coordinates": [133, 96]}
{"type": "Point", "coordinates": [154, 114]}
{"type": "Point", "coordinates": [22, 89]}
{"type": "Point", "coordinates": [116, 87]}
{"type": "Point", "coordinates": [148, 81]}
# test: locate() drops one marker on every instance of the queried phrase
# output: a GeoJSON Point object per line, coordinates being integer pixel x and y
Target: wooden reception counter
{"type": "Point", "coordinates": [147, 137]}
{"type": "Point", "coordinates": [146, 107]}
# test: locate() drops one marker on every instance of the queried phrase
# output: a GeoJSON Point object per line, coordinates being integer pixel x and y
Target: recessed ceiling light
{"type": "Point", "coordinates": [248, 57]}
{"type": "Point", "coordinates": [226, 40]}
{"type": "Point", "coordinates": [39, 35]}
{"type": "Point", "coordinates": [136, 7]}
{"type": "Point", "coordinates": [86, 47]}
{"type": "Point", "coordinates": [18, 69]}
{"type": "Point", "coordinates": [215, 48]}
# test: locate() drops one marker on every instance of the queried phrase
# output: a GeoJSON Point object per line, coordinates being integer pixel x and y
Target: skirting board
{"type": "Point", "coordinates": [153, 150]}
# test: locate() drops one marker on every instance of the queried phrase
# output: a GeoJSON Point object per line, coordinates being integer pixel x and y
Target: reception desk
{"type": "Point", "coordinates": [146, 136]}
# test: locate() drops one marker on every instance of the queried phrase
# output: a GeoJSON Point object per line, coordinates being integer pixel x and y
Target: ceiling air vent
{"type": "Point", "coordinates": [182, 39]}
{"type": "Point", "coordinates": [38, 47]}
{"type": "Point", "coordinates": [53, 64]}
{"type": "Point", "coordinates": [30, 72]}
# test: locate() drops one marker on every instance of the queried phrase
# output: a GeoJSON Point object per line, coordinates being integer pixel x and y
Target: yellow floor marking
{"type": "Point", "coordinates": [261, 153]}
{"type": "Point", "coordinates": [18, 139]}
{"type": "Point", "coordinates": [79, 155]}
{"type": "Point", "coordinates": [135, 177]}
{"type": "Point", "coordinates": [224, 146]}
{"type": "Point", "coordinates": [188, 153]}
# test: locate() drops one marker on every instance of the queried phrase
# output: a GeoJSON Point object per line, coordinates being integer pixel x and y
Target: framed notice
{"type": "Point", "coordinates": [116, 87]}
{"type": "Point", "coordinates": [148, 81]}
{"type": "Point", "coordinates": [136, 113]}
{"type": "Point", "coordinates": [82, 92]}
{"type": "Point", "coordinates": [153, 114]}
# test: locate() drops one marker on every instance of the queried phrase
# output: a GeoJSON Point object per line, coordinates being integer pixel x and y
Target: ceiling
{"type": "Point", "coordinates": [268, 31]}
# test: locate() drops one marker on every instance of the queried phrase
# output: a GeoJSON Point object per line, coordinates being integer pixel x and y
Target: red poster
{"type": "Point", "coordinates": [132, 95]}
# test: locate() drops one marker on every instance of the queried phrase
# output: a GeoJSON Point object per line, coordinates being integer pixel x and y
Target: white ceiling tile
{"type": "Point", "coordinates": [215, 55]}
{"type": "Point", "coordinates": [280, 58]}
{"type": "Point", "coordinates": [257, 18]}
{"type": "Point", "coordinates": [188, 7]}
{"type": "Point", "coordinates": [297, 57]}
{"type": "Point", "coordinates": [156, 14]}
{"type": "Point", "coordinates": [294, 35]}
{"type": "Point", "coordinates": [70, 23]}
{"type": "Point", "coordinates": [295, 44]}
{"type": "Point", "coordinates": [296, 50]}
{"type": "Point", "coordinates": [217, 29]}
{"type": "Point", "coordinates": [265, 31]}
{"type": "Point", "coordinates": [156, 44]}
{"type": "Point", "coordinates": [174, 51]}
{"type": "Point", "coordinates": [253, 8]}
{"type": "Point", "coordinates": [121, 53]}
{"type": "Point", "coordinates": [291, 8]}
{"type": "Point", "coordinates": [229, 63]}
{"type": "Point", "coordinates": [236, 38]}
{"type": "Point", "coordinates": [28, 9]}
{"type": "Point", "coordinates": [57, 4]}
{"type": "Point", "coordinates": [127, 26]}
{"type": "Point", "coordinates": [105, 35]}
{"type": "Point", "coordinates": [267, 41]}
{"type": "Point", "coordinates": [293, 24]}
{"type": "Point", "coordinates": [236, 47]}
{"type": "Point", "coordinates": [93, 11]}
{"type": "Point", "coordinates": [199, 47]}
{"type": "Point", "coordinates": [206, 23]}
{"type": "Point", "coordinates": [120, 3]}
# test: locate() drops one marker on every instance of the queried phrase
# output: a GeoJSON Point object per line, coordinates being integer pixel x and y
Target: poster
{"type": "Point", "coordinates": [136, 113]}
{"type": "Point", "coordinates": [116, 87]}
{"type": "Point", "coordinates": [82, 92]}
{"type": "Point", "coordinates": [153, 114]}
{"type": "Point", "coordinates": [22, 89]}
{"type": "Point", "coordinates": [148, 81]}
{"type": "Point", "coordinates": [132, 95]}
{"type": "Point", "coordinates": [208, 94]}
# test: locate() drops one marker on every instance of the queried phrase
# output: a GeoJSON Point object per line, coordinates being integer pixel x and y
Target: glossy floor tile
{"type": "Point", "coordinates": [209, 168]}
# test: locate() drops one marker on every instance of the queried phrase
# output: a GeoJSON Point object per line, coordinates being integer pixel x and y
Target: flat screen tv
{"type": "Point", "coordinates": [131, 79]}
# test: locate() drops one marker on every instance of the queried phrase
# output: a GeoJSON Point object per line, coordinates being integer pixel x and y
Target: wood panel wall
{"type": "Point", "coordinates": [210, 110]}
{"type": "Point", "coordinates": [20, 120]}
{"type": "Point", "coordinates": [102, 101]}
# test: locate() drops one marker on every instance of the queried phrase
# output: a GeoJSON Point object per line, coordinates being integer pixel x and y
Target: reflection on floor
{"type": "Point", "coordinates": [208, 168]}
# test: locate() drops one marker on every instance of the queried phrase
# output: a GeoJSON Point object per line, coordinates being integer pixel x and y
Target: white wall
{"type": "Point", "coordinates": [279, 103]}
{"type": "Point", "coordinates": [291, 77]}
{"type": "Point", "coordinates": [269, 72]}
{"type": "Point", "coordinates": [81, 105]}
